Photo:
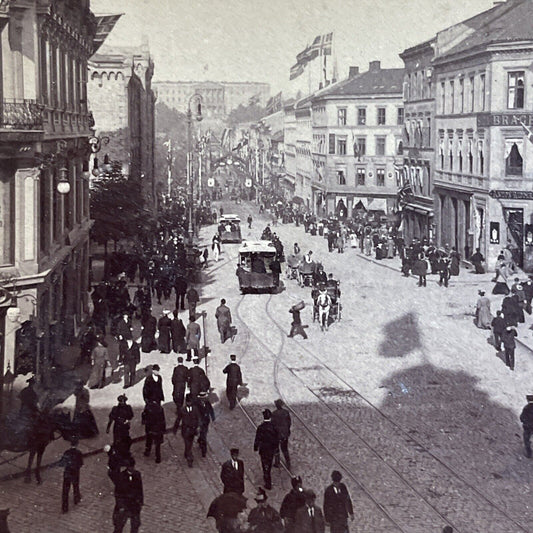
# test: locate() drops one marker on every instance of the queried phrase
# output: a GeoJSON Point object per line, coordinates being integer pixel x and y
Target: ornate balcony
{"type": "Point", "coordinates": [21, 115]}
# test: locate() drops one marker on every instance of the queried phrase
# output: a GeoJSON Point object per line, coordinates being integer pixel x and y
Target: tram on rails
{"type": "Point", "coordinates": [254, 267]}
{"type": "Point", "coordinates": [229, 228]}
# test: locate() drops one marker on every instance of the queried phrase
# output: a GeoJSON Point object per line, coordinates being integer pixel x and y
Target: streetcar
{"type": "Point", "coordinates": [229, 228]}
{"type": "Point", "coordinates": [254, 267]}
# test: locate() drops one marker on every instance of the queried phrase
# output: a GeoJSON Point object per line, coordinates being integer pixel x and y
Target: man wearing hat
{"type": "Point", "coordinates": [120, 417]}
{"type": "Point", "coordinates": [206, 414]}
{"type": "Point", "coordinates": [337, 505]}
{"type": "Point", "coordinates": [263, 517]}
{"type": "Point", "coordinates": [267, 444]}
{"type": "Point", "coordinates": [198, 381]}
{"type": "Point", "coordinates": [527, 423]}
{"type": "Point", "coordinates": [232, 473]}
{"type": "Point", "coordinates": [223, 316]}
{"type": "Point", "coordinates": [29, 401]}
{"type": "Point", "coordinates": [72, 461]}
{"type": "Point", "coordinates": [193, 334]}
{"type": "Point", "coordinates": [131, 356]}
{"type": "Point", "coordinates": [153, 419]}
{"type": "Point", "coordinates": [281, 419]}
{"type": "Point", "coordinates": [309, 517]}
{"type": "Point", "coordinates": [124, 331]}
{"type": "Point", "coordinates": [498, 327]}
{"type": "Point", "coordinates": [190, 419]}
{"type": "Point", "coordinates": [293, 500]}
{"type": "Point", "coordinates": [233, 380]}
{"type": "Point", "coordinates": [509, 345]}
{"type": "Point", "coordinates": [153, 386]}
{"type": "Point", "coordinates": [180, 377]}
{"type": "Point", "coordinates": [129, 497]}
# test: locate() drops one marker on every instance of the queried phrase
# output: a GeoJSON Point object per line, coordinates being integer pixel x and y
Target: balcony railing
{"type": "Point", "coordinates": [21, 115]}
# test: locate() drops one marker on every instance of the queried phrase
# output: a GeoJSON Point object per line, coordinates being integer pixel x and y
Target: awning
{"type": "Point", "coordinates": [377, 204]}
{"type": "Point", "coordinates": [297, 200]}
{"type": "Point", "coordinates": [104, 26]}
{"type": "Point", "coordinates": [420, 209]}
{"type": "Point", "coordinates": [360, 201]}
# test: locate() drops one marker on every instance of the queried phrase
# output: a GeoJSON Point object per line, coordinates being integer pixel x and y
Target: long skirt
{"type": "Point", "coordinates": [84, 425]}
{"type": "Point", "coordinates": [164, 340]}
{"type": "Point", "coordinates": [148, 343]}
{"type": "Point", "coordinates": [500, 288]}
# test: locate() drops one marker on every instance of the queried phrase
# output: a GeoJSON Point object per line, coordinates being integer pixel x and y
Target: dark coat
{"type": "Point", "coordinates": [164, 334]}
{"type": "Point", "coordinates": [153, 390]}
{"type": "Point", "coordinates": [180, 285]}
{"type": "Point", "coordinates": [180, 377]}
{"type": "Point", "coordinates": [128, 488]}
{"type": "Point", "coordinates": [153, 418]}
{"type": "Point", "coordinates": [281, 419]}
{"type": "Point", "coordinates": [72, 461]}
{"type": "Point", "coordinates": [177, 329]}
{"type": "Point", "coordinates": [527, 416]}
{"type": "Point", "coordinates": [291, 503]}
{"type": "Point", "coordinates": [337, 507]}
{"type": "Point", "coordinates": [234, 375]}
{"type": "Point", "coordinates": [233, 479]}
{"type": "Point", "coordinates": [206, 412]}
{"type": "Point", "coordinates": [265, 519]}
{"type": "Point", "coordinates": [124, 330]}
{"type": "Point", "coordinates": [305, 524]}
{"type": "Point", "coordinates": [189, 421]}
{"type": "Point", "coordinates": [198, 381]}
{"type": "Point", "coordinates": [130, 356]}
{"type": "Point", "coordinates": [266, 439]}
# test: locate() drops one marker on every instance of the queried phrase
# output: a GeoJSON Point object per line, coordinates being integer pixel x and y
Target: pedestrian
{"type": "Point", "coordinates": [275, 268]}
{"type": "Point", "coordinates": [267, 444]}
{"type": "Point", "coordinates": [180, 377]}
{"type": "Point", "coordinates": [292, 501]}
{"type": "Point", "coordinates": [337, 505]}
{"type": "Point", "coordinates": [206, 415]}
{"type": "Point", "coordinates": [129, 497]}
{"type": "Point", "coordinates": [483, 315]}
{"type": "Point", "coordinates": [232, 473]}
{"type": "Point", "coordinates": [120, 417]}
{"type": "Point", "coordinates": [526, 418]}
{"type": "Point", "coordinates": [309, 517]}
{"type": "Point", "coordinates": [83, 422]}
{"type": "Point", "coordinates": [99, 362]}
{"type": "Point", "coordinates": [123, 328]}
{"type": "Point", "coordinates": [71, 461]}
{"type": "Point", "coordinates": [263, 518]}
{"type": "Point", "coordinates": [193, 333]}
{"type": "Point", "coordinates": [205, 255]}
{"type": "Point", "coordinates": [509, 345]}
{"type": "Point", "coordinates": [177, 331]}
{"type": "Point", "coordinates": [447, 529]}
{"type": "Point", "coordinates": [131, 356]}
{"type": "Point", "coordinates": [190, 420]}
{"type": "Point", "coordinates": [164, 332]}
{"type": "Point", "coordinates": [443, 266]}
{"type": "Point", "coordinates": [281, 419]}
{"type": "Point", "coordinates": [149, 329]}
{"type": "Point", "coordinates": [180, 286]}
{"type": "Point", "coordinates": [233, 380]}
{"type": "Point", "coordinates": [296, 325]}
{"type": "Point", "coordinates": [420, 269]}
{"type": "Point", "coordinates": [215, 246]}
{"type": "Point", "coordinates": [477, 260]}
{"type": "Point", "coordinates": [153, 419]}
{"type": "Point", "coordinates": [153, 386]}
{"type": "Point", "coordinates": [192, 300]}
{"type": "Point", "coordinates": [455, 261]}
{"type": "Point", "coordinates": [198, 381]}
{"type": "Point", "coordinates": [498, 326]}
{"type": "Point", "coordinates": [249, 220]}
{"type": "Point", "coordinates": [223, 316]}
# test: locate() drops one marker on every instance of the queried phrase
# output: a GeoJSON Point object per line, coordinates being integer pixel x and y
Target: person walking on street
{"type": "Point", "coordinates": [477, 260]}
{"type": "Point", "coordinates": [233, 380]}
{"type": "Point", "coordinates": [149, 329]}
{"type": "Point", "coordinates": [83, 422]}
{"type": "Point", "coordinates": [223, 316]}
{"type": "Point", "coordinates": [163, 326]}
{"type": "Point", "coordinates": [180, 286]}
{"type": "Point", "coordinates": [99, 360]}
{"type": "Point", "coordinates": [72, 461]}
{"type": "Point", "coordinates": [420, 269]}
{"type": "Point", "coordinates": [129, 497]}
{"type": "Point", "coordinates": [526, 417]}
{"type": "Point", "coordinates": [153, 386]}
{"type": "Point", "coordinates": [190, 419]}
{"type": "Point", "coordinates": [483, 315]}
{"type": "Point", "coordinates": [153, 419]}
{"type": "Point", "coordinates": [498, 327]}
{"type": "Point", "coordinates": [296, 325]}
{"type": "Point", "coordinates": [215, 246]}
{"type": "Point", "coordinates": [206, 415]}
{"type": "Point", "coordinates": [249, 220]}
{"type": "Point", "coordinates": [198, 381]}
{"type": "Point", "coordinates": [337, 505]}
{"type": "Point", "coordinates": [267, 444]}
{"type": "Point", "coordinates": [180, 377]}
{"type": "Point", "coordinates": [309, 517]}
{"type": "Point", "coordinates": [192, 301]}
{"type": "Point", "coordinates": [232, 473]}
{"type": "Point", "coordinates": [177, 330]}
{"type": "Point", "coordinates": [123, 328]}
{"type": "Point", "coordinates": [281, 419]}
{"type": "Point", "coordinates": [263, 518]}
{"type": "Point", "coordinates": [443, 266]}
{"type": "Point", "coordinates": [292, 501]}
{"type": "Point", "coordinates": [192, 338]}
{"type": "Point", "coordinates": [131, 356]}
{"type": "Point", "coordinates": [509, 345]}
{"type": "Point", "coordinates": [120, 417]}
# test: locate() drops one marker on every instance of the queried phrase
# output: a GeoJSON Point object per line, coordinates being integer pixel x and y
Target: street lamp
{"type": "Point", "coordinates": [63, 185]}
{"type": "Point", "coordinates": [190, 185]}
{"type": "Point", "coordinates": [96, 145]}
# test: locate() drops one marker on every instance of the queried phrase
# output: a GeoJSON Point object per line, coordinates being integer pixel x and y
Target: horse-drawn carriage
{"type": "Point", "coordinates": [326, 303]}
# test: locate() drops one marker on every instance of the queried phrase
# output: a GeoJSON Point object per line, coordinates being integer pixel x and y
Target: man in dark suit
{"type": "Point", "coordinates": [198, 381]}
{"type": "Point", "coordinates": [180, 286]}
{"type": "Point", "coordinates": [153, 386]}
{"type": "Point", "coordinates": [177, 331]}
{"type": "Point", "coordinates": [153, 418]}
{"type": "Point", "coordinates": [130, 355]}
{"type": "Point", "coordinates": [337, 505]}
{"type": "Point", "coordinates": [190, 419]}
{"type": "Point", "coordinates": [72, 461]}
{"type": "Point", "coordinates": [309, 518]}
{"type": "Point", "coordinates": [124, 331]}
{"type": "Point", "coordinates": [232, 473]}
{"type": "Point", "coordinates": [233, 380]}
{"type": "Point", "coordinates": [206, 415]}
{"type": "Point", "coordinates": [526, 418]}
{"type": "Point", "coordinates": [180, 377]}
{"type": "Point", "coordinates": [129, 497]}
{"type": "Point", "coordinates": [292, 501]}
{"type": "Point", "coordinates": [267, 444]}
{"type": "Point", "coordinates": [281, 419]}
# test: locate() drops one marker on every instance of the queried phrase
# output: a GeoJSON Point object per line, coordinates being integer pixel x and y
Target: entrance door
{"type": "Point", "coordinates": [514, 219]}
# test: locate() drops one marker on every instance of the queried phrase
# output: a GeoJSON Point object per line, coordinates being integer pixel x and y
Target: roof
{"type": "Point", "coordinates": [277, 136]}
{"type": "Point", "coordinates": [372, 82]}
{"type": "Point", "coordinates": [506, 22]}
{"type": "Point", "coordinates": [229, 218]}
{"type": "Point", "coordinates": [257, 247]}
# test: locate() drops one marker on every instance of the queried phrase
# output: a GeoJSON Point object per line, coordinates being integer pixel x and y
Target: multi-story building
{"type": "Point", "coordinates": [123, 104]}
{"type": "Point", "coordinates": [289, 141]}
{"type": "Point", "coordinates": [356, 131]}
{"type": "Point", "coordinates": [484, 162]}
{"type": "Point", "coordinates": [416, 155]}
{"type": "Point", "coordinates": [45, 125]}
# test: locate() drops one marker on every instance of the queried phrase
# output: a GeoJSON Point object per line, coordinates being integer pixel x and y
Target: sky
{"type": "Point", "coordinates": [257, 40]}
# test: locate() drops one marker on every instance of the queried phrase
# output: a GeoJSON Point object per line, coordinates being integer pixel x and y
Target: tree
{"type": "Point", "coordinates": [250, 113]}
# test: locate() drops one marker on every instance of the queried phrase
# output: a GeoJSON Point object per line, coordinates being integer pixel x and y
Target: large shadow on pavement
{"type": "Point", "coordinates": [401, 336]}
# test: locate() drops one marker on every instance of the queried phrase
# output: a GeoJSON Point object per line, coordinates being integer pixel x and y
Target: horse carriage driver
{"type": "Point", "coordinates": [323, 302]}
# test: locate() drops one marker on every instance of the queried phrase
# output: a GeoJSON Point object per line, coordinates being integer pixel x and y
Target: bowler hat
{"type": "Point", "coordinates": [234, 451]}
{"type": "Point", "coordinates": [155, 367]}
{"type": "Point", "coordinates": [260, 496]}
{"type": "Point", "coordinates": [267, 414]}
{"type": "Point", "coordinates": [122, 397]}
{"type": "Point", "coordinates": [529, 397]}
{"type": "Point", "coordinates": [202, 394]}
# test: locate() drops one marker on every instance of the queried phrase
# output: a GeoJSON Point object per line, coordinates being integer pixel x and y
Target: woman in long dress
{"type": "Point", "coordinates": [164, 332]}
{"type": "Point", "coordinates": [483, 314]}
{"type": "Point", "coordinates": [148, 332]}
{"type": "Point", "coordinates": [83, 423]}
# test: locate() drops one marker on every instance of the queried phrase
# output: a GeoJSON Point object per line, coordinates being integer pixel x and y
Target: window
{"type": "Point", "coordinates": [513, 158]}
{"type": "Point", "coordinates": [441, 155]}
{"type": "Point", "coordinates": [427, 140]}
{"type": "Point", "coordinates": [341, 178]}
{"type": "Point", "coordinates": [450, 158]}
{"type": "Point", "coordinates": [442, 98]}
{"type": "Point", "coordinates": [361, 116]}
{"type": "Point", "coordinates": [471, 94]}
{"type": "Point", "coordinates": [470, 158]}
{"type": "Point", "coordinates": [381, 116]}
{"type": "Point", "coordinates": [380, 145]}
{"type": "Point", "coordinates": [461, 95]}
{"type": "Point", "coordinates": [482, 91]}
{"type": "Point", "coordinates": [460, 161]}
{"type": "Point", "coordinates": [7, 214]}
{"type": "Point", "coordinates": [380, 177]}
{"type": "Point", "coordinates": [400, 115]}
{"type": "Point", "coordinates": [515, 91]}
{"type": "Point", "coordinates": [360, 172]}
{"type": "Point", "coordinates": [481, 158]}
{"type": "Point", "coordinates": [361, 146]}
{"type": "Point", "coordinates": [452, 96]}
{"type": "Point", "coordinates": [331, 143]}
{"type": "Point", "coordinates": [341, 146]}
{"type": "Point", "coordinates": [341, 116]}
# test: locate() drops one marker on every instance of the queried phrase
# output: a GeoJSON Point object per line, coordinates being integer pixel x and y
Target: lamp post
{"type": "Point", "coordinates": [190, 181]}
{"type": "Point", "coordinates": [96, 145]}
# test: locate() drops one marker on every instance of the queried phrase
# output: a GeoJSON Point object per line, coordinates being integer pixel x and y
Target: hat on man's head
{"type": "Point", "coordinates": [155, 367]}
{"type": "Point", "coordinates": [519, 287]}
{"type": "Point", "coordinates": [295, 481]}
{"type": "Point", "coordinates": [196, 361]}
{"type": "Point", "coordinates": [260, 495]}
{"type": "Point", "coordinates": [267, 414]}
{"type": "Point", "coordinates": [336, 476]}
{"type": "Point", "coordinates": [481, 293]}
{"type": "Point", "coordinates": [529, 397]}
{"type": "Point", "coordinates": [180, 359]}
{"type": "Point", "coordinates": [234, 451]}
{"type": "Point", "coordinates": [278, 403]}
{"type": "Point", "coordinates": [122, 398]}
{"type": "Point", "coordinates": [202, 394]}
{"type": "Point", "coordinates": [233, 357]}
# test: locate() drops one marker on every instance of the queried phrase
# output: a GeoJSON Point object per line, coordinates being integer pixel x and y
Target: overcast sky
{"type": "Point", "coordinates": [257, 40]}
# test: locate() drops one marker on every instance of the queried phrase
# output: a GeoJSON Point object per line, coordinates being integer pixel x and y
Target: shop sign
{"type": "Point", "coordinates": [486, 120]}
{"type": "Point", "coordinates": [511, 195]}
{"type": "Point", "coordinates": [495, 233]}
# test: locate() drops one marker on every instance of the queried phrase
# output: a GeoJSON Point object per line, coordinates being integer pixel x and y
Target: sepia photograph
{"type": "Point", "coordinates": [266, 266]}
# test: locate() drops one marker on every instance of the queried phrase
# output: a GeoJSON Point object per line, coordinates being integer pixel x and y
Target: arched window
{"type": "Point", "coordinates": [513, 159]}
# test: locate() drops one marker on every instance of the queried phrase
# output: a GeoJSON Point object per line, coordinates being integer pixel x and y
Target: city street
{"type": "Point", "coordinates": [403, 395]}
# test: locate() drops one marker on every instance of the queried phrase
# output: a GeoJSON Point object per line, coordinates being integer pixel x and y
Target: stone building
{"type": "Point", "coordinates": [45, 125]}
{"type": "Point", "coordinates": [123, 104]}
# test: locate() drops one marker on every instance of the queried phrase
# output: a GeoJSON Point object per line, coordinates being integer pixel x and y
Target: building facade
{"type": "Point", "coordinates": [123, 104]}
{"type": "Point", "coordinates": [45, 125]}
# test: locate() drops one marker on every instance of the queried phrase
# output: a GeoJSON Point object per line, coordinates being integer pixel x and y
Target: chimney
{"type": "Point", "coordinates": [354, 71]}
{"type": "Point", "coordinates": [374, 66]}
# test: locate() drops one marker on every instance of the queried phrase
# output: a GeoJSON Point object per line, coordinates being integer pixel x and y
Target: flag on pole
{"type": "Point", "coordinates": [296, 70]}
{"type": "Point", "coordinates": [528, 132]}
{"type": "Point", "coordinates": [322, 45]}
